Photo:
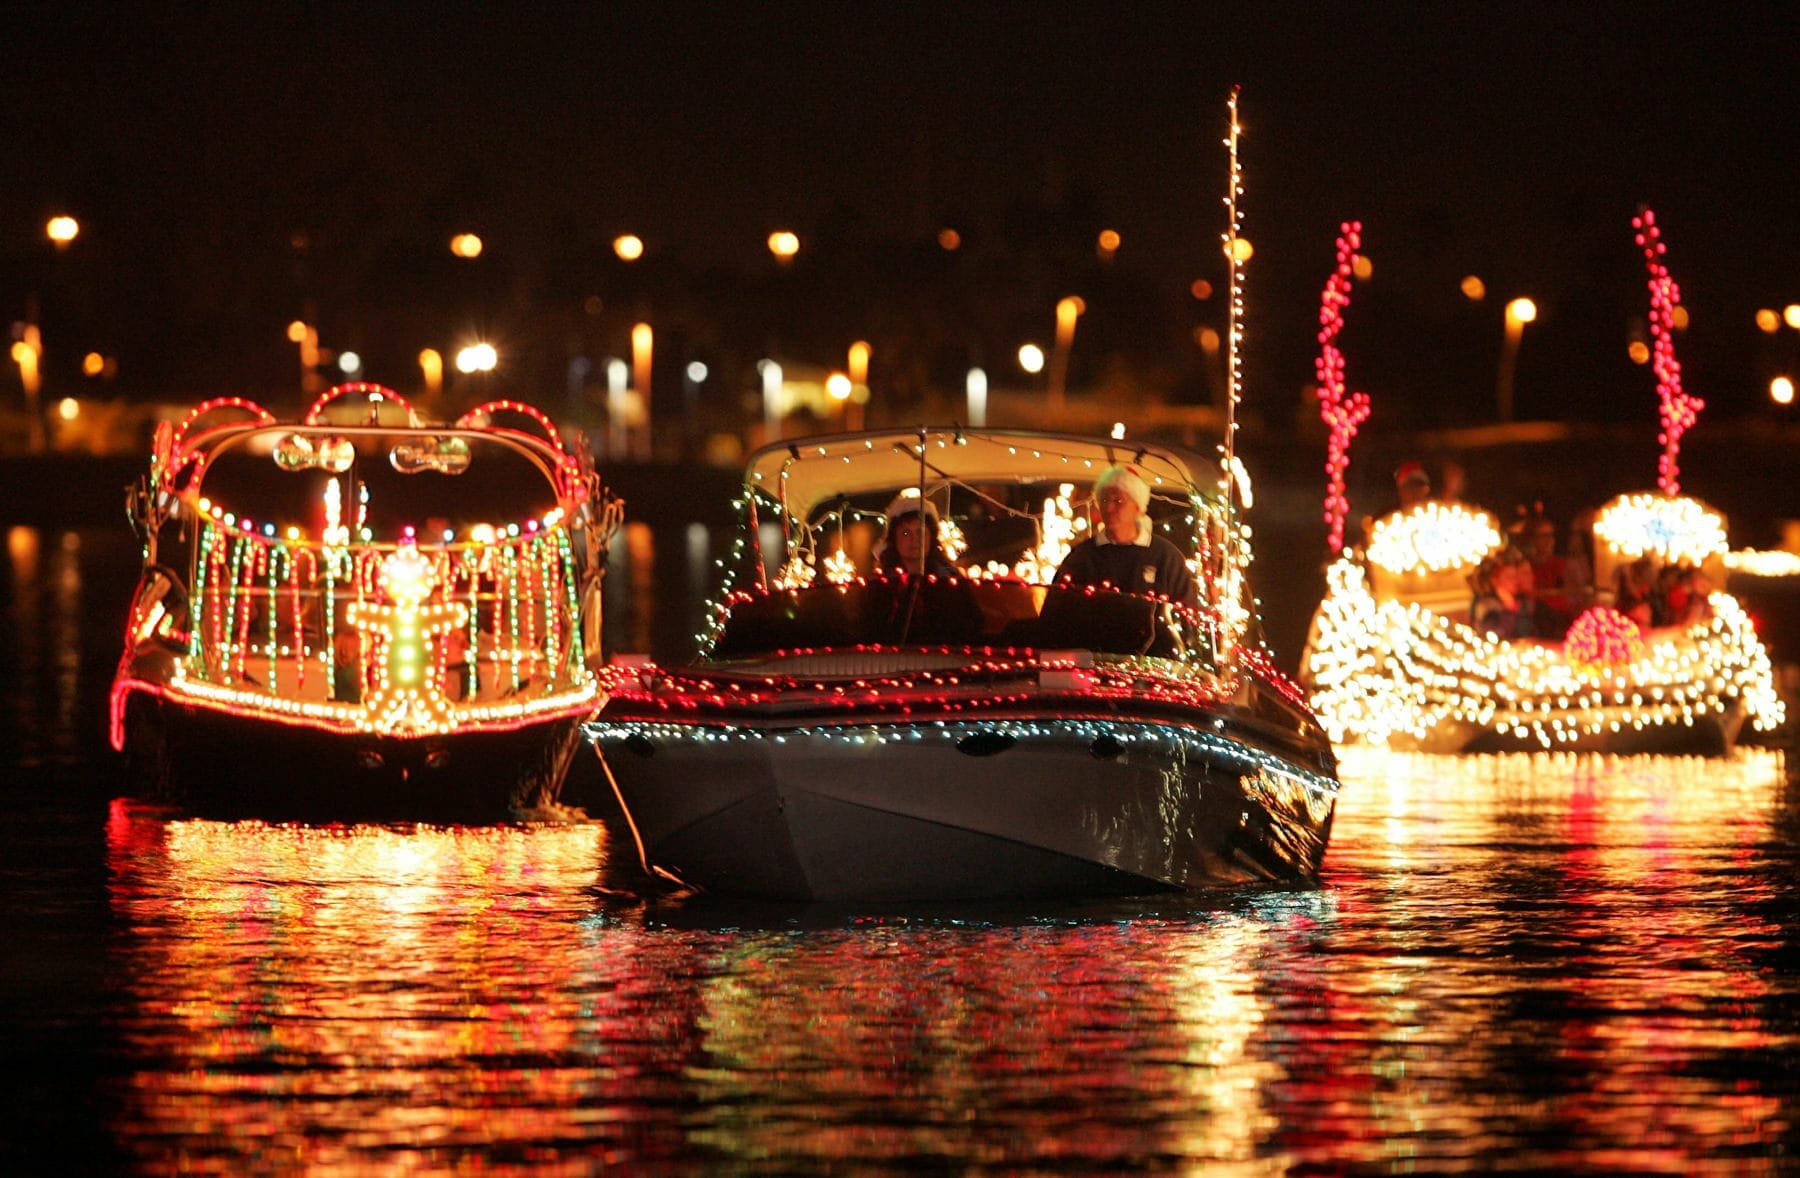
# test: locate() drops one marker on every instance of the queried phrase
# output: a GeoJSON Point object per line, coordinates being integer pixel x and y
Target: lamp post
{"type": "Point", "coordinates": [1068, 310]}
{"type": "Point", "coordinates": [1519, 312]}
{"type": "Point", "coordinates": [975, 388]}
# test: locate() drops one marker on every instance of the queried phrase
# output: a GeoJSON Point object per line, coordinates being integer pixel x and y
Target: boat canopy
{"type": "Point", "coordinates": [802, 474]}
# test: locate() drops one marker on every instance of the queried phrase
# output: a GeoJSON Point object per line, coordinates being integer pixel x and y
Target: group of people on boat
{"type": "Point", "coordinates": [1123, 553]}
{"type": "Point", "coordinates": [1534, 587]}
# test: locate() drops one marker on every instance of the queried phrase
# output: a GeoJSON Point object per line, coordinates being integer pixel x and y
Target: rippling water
{"type": "Point", "coordinates": [1550, 964]}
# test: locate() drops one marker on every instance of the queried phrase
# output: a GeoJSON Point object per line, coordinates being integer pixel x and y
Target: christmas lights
{"type": "Point", "coordinates": [1676, 409]}
{"type": "Point", "coordinates": [352, 621]}
{"type": "Point", "coordinates": [1343, 411]}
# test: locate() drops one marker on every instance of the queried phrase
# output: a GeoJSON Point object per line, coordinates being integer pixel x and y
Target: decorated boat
{"type": "Point", "coordinates": [362, 615]}
{"type": "Point", "coordinates": [1395, 656]}
{"type": "Point", "coordinates": [856, 730]}
{"type": "Point", "coordinates": [1395, 659]}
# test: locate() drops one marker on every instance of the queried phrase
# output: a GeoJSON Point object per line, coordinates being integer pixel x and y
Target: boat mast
{"type": "Point", "coordinates": [1229, 584]}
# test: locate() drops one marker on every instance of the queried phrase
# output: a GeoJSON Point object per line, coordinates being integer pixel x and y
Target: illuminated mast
{"type": "Point", "coordinates": [1230, 588]}
{"type": "Point", "coordinates": [1342, 410]}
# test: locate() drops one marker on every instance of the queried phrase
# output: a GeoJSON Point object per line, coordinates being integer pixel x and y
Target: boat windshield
{"type": "Point", "coordinates": [386, 482]}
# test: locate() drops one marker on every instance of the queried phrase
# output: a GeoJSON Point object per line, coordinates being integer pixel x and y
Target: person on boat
{"type": "Point", "coordinates": [1634, 585]}
{"type": "Point", "coordinates": [1412, 486]}
{"type": "Point", "coordinates": [1549, 575]}
{"type": "Point", "coordinates": [911, 544]}
{"type": "Point", "coordinates": [1681, 596]}
{"type": "Point", "coordinates": [1125, 552]}
{"type": "Point", "coordinates": [1503, 605]}
{"type": "Point", "coordinates": [938, 607]}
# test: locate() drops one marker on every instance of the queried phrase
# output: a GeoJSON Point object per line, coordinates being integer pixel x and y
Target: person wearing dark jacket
{"type": "Point", "coordinates": [1125, 552]}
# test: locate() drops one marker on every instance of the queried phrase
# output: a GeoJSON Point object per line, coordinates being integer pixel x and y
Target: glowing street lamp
{"type": "Point", "coordinates": [477, 357]}
{"type": "Point", "coordinates": [431, 367]}
{"type": "Point", "coordinates": [61, 230]}
{"type": "Point", "coordinates": [784, 245]}
{"type": "Point", "coordinates": [771, 398]}
{"type": "Point", "coordinates": [1068, 310]}
{"type": "Point", "coordinates": [1031, 358]}
{"type": "Point", "coordinates": [1519, 312]}
{"type": "Point", "coordinates": [629, 247]}
{"type": "Point", "coordinates": [466, 245]}
{"type": "Point", "coordinates": [1781, 390]}
{"type": "Point", "coordinates": [975, 388]}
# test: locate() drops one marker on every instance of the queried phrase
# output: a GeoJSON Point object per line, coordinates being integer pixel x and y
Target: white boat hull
{"type": "Point", "coordinates": [946, 811]}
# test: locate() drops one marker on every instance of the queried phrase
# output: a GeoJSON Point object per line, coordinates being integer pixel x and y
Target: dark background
{"type": "Point", "coordinates": [237, 166]}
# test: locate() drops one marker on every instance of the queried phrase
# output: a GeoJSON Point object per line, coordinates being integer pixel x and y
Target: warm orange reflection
{"type": "Point", "coordinates": [1606, 871]}
{"type": "Point", "coordinates": [1528, 958]}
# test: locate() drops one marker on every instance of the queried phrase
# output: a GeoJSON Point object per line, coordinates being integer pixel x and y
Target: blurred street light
{"type": "Point", "coordinates": [1790, 315]}
{"type": "Point", "coordinates": [25, 353]}
{"type": "Point", "coordinates": [1519, 312]}
{"type": "Point", "coordinates": [1781, 390]}
{"type": "Point", "coordinates": [466, 245]}
{"type": "Point", "coordinates": [62, 230]}
{"type": "Point", "coordinates": [771, 398]}
{"type": "Point", "coordinates": [1768, 321]}
{"type": "Point", "coordinates": [975, 388]}
{"type": "Point", "coordinates": [1068, 310]}
{"type": "Point", "coordinates": [629, 247]}
{"type": "Point", "coordinates": [477, 357]}
{"type": "Point", "coordinates": [1031, 358]}
{"type": "Point", "coordinates": [784, 245]}
{"type": "Point", "coordinates": [1474, 289]}
{"type": "Point", "coordinates": [1107, 244]}
{"type": "Point", "coordinates": [307, 336]}
{"type": "Point", "coordinates": [431, 367]}
{"type": "Point", "coordinates": [642, 345]}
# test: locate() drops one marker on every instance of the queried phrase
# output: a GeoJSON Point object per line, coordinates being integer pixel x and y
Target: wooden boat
{"type": "Point", "coordinates": [1392, 658]}
{"type": "Point", "coordinates": [846, 734]}
{"type": "Point", "coordinates": [361, 615]}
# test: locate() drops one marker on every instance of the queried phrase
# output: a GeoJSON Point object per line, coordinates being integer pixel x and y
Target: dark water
{"type": "Point", "coordinates": [1532, 964]}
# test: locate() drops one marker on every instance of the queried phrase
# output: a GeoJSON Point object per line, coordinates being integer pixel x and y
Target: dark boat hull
{"type": "Point", "coordinates": [215, 764]}
{"type": "Point", "coordinates": [1026, 807]}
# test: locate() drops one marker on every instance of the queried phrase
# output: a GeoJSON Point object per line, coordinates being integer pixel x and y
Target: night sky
{"type": "Point", "coordinates": [1509, 141]}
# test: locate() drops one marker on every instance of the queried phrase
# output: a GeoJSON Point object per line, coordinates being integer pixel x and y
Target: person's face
{"type": "Point", "coordinates": [909, 538]}
{"type": "Point", "coordinates": [1119, 514]}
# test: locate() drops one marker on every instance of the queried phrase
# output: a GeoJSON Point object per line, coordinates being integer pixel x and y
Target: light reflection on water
{"type": "Point", "coordinates": [1565, 963]}
{"type": "Point", "coordinates": [1535, 962]}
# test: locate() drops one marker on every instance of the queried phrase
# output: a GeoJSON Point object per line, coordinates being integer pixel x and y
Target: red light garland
{"type": "Point", "coordinates": [1342, 411]}
{"type": "Point", "coordinates": [1678, 410]}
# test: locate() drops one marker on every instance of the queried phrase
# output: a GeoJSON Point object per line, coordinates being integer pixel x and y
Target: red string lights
{"type": "Point", "coordinates": [1678, 409]}
{"type": "Point", "coordinates": [1342, 411]}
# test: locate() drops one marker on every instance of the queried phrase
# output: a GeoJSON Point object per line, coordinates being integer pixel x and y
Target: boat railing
{"type": "Point", "coordinates": [951, 612]}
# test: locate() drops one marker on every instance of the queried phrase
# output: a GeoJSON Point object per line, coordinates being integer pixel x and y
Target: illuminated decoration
{"type": "Point", "coordinates": [1233, 543]}
{"type": "Point", "coordinates": [1754, 563]}
{"type": "Point", "coordinates": [1677, 409]}
{"type": "Point", "coordinates": [1398, 672]}
{"type": "Point", "coordinates": [839, 568]}
{"type": "Point", "coordinates": [1343, 411]}
{"type": "Point", "coordinates": [1603, 638]}
{"type": "Point", "coordinates": [1432, 537]}
{"type": "Point", "coordinates": [352, 620]}
{"type": "Point", "coordinates": [1681, 531]}
{"type": "Point", "coordinates": [409, 692]}
{"type": "Point", "coordinates": [1160, 746]}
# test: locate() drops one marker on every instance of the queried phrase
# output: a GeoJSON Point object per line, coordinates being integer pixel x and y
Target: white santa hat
{"type": "Point", "coordinates": [1128, 481]}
